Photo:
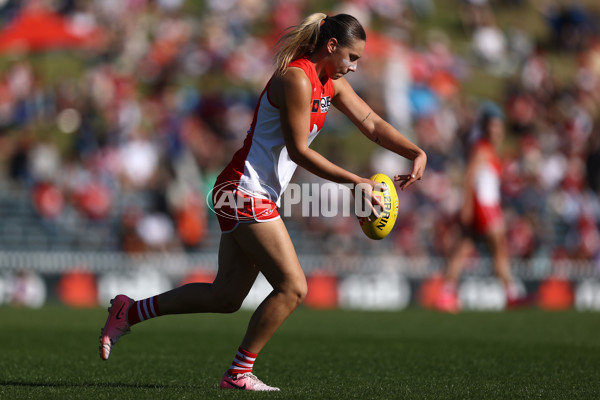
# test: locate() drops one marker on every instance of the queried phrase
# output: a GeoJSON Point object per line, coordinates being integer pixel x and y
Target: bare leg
{"type": "Point", "coordinates": [458, 259]}
{"type": "Point", "coordinates": [270, 246]}
{"type": "Point", "coordinates": [234, 279]}
{"type": "Point", "coordinates": [265, 244]}
{"type": "Point", "coordinates": [497, 242]}
{"type": "Point", "coordinates": [447, 298]}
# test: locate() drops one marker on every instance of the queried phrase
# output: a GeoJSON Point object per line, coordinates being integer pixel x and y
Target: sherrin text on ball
{"type": "Point", "coordinates": [379, 228]}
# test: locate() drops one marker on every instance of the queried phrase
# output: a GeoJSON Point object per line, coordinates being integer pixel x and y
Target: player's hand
{"type": "Point", "coordinates": [365, 190]}
{"type": "Point", "coordinates": [419, 164]}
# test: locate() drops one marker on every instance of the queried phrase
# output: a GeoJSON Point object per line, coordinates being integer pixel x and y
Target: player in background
{"type": "Point", "coordinates": [481, 215]}
{"type": "Point", "coordinates": [311, 62]}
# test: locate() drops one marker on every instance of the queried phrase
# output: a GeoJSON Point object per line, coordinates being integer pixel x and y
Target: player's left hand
{"type": "Point", "coordinates": [419, 164]}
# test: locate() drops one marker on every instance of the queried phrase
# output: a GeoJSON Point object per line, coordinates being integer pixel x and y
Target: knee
{"type": "Point", "coordinates": [296, 292]}
{"type": "Point", "coordinates": [300, 294]}
{"type": "Point", "coordinates": [229, 306]}
{"type": "Point", "coordinates": [226, 302]}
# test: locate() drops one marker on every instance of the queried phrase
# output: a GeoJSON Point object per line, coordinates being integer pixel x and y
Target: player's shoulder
{"type": "Point", "coordinates": [293, 81]}
{"type": "Point", "coordinates": [481, 151]}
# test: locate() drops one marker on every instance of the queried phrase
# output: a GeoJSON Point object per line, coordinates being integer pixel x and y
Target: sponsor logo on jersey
{"type": "Point", "coordinates": [323, 104]}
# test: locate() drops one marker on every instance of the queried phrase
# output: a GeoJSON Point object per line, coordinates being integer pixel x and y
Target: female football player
{"type": "Point", "coordinates": [311, 62]}
{"type": "Point", "coordinates": [481, 215]}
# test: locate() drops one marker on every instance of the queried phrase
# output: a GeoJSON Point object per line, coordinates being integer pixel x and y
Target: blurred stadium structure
{"type": "Point", "coordinates": [112, 134]}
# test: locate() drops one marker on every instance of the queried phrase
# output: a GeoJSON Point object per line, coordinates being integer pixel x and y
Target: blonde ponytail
{"type": "Point", "coordinates": [298, 41]}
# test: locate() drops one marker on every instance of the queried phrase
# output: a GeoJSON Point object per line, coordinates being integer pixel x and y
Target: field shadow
{"type": "Point", "coordinates": [95, 384]}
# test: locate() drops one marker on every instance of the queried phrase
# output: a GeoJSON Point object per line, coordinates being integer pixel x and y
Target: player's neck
{"type": "Point", "coordinates": [318, 58]}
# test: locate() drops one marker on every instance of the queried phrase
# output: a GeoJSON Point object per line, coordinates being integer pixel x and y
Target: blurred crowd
{"type": "Point", "coordinates": [165, 93]}
{"type": "Point", "coordinates": [551, 157]}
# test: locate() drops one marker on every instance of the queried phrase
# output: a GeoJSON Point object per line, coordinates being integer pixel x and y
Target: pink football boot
{"type": "Point", "coordinates": [447, 302]}
{"type": "Point", "coordinates": [116, 324]}
{"type": "Point", "coordinates": [246, 381]}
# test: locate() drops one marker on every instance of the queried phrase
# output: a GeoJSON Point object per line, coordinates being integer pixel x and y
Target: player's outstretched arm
{"type": "Point", "coordinates": [379, 131]}
{"type": "Point", "coordinates": [292, 94]}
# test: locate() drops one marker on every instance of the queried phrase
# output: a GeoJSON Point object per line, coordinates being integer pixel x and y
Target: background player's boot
{"type": "Point", "coordinates": [447, 302]}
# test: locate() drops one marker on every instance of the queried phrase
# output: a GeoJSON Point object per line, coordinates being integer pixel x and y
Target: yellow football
{"type": "Point", "coordinates": [379, 228]}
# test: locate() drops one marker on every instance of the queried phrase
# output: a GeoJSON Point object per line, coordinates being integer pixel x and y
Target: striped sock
{"type": "Point", "coordinates": [142, 310]}
{"type": "Point", "coordinates": [242, 363]}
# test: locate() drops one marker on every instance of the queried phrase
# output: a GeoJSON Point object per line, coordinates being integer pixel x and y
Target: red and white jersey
{"type": "Point", "coordinates": [262, 167]}
{"type": "Point", "coordinates": [486, 189]}
{"type": "Point", "coordinates": [487, 177]}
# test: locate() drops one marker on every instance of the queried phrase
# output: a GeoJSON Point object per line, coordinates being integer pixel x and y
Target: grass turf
{"type": "Point", "coordinates": [51, 353]}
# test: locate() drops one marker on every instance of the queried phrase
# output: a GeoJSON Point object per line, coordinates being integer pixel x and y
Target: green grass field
{"type": "Point", "coordinates": [415, 354]}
